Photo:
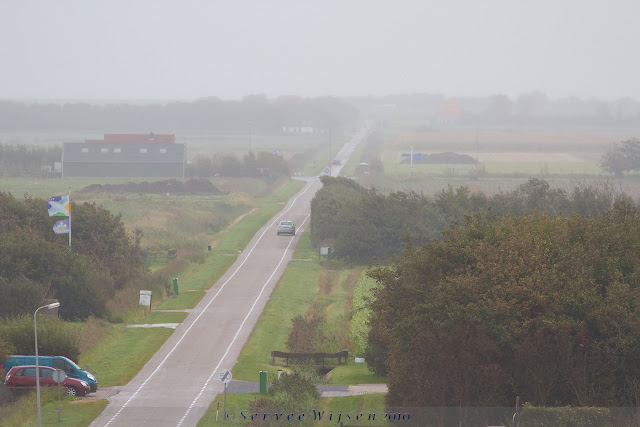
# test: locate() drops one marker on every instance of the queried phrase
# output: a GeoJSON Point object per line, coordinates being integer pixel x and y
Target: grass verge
{"type": "Point", "coordinates": [308, 287]}
{"type": "Point", "coordinates": [364, 409]}
{"type": "Point", "coordinates": [164, 317]}
{"type": "Point", "coordinates": [293, 294]}
{"type": "Point", "coordinates": [74, 411]}
{"type": "Point", "coordinates": [117, 358]}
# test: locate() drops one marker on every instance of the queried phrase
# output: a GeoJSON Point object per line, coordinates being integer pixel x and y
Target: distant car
{"type": "Point", "coordinates": [25, 376]}
{"type": "Point", "coordinates": [286, 227]}
{"type": "Point", "coordinates": [336, 162]}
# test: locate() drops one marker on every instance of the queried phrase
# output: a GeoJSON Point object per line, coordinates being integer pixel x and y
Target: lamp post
{"type": "Point", "coordinates": [35, 325]}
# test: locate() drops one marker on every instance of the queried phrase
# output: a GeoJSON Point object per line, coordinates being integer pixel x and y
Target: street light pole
{"type": "Point", "coordinates": [35, 326]}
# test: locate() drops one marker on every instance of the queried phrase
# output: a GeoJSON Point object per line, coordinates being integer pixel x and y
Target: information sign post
{"type": "Point", "coordinates": [225, 377]}
{"type": "Point", "coordinates": [59, 376]}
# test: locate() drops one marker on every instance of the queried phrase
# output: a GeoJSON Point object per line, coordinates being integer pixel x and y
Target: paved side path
{"type": "Point", "coordinates": [327, 390]}
{"type": "Point", "coordinates": [236, 386]}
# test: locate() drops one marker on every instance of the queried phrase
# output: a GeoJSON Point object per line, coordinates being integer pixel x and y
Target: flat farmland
{"type": "Point", "coordinates": [505, 159]}
{"type": "Point", "coordinates": [508, 152]}
{"type": "Point", "coordinates": [514, 152]}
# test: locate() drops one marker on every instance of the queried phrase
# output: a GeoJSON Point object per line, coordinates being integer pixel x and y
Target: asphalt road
{"type": "Point", "coordinates": [176, 387]}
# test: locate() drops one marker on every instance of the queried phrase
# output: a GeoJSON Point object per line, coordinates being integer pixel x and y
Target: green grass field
{"type": "Point", "coordinates": [74, 411]}
{"type": "Point", "coordinates": [120, 355]}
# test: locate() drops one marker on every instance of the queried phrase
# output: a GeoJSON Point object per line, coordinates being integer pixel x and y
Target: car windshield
{"type": "Point", "coordinates": [286, 223]}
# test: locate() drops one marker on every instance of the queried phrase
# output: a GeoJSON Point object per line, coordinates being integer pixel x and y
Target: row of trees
{"type": "Point", "coordinates": [363, 224]}
{"type": "Point", "coordinates": [253, 112]}
{"type": "Point", "coordinates": [27, 160]}
{"type": "Point", "coordinates": [16, 160]}
{"type": "Point", "coordinates": [35, 263]}
{"type": "Point", "coordinates": [542, 306]}
{"type": "Point", "coordinates": [251, 165]}
{"type": "Point", "coordinates": [530, 109]}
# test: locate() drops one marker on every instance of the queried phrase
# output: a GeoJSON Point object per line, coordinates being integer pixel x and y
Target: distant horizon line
{"type": "Point", "coordinates": [138, 100]}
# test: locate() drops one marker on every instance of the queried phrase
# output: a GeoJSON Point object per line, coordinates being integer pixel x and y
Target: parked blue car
{"type": "Point", "coordinates": [57, 362]}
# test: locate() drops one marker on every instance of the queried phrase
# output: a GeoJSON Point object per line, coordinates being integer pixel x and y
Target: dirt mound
{"type": "Point", "coordinates": [156, 187]}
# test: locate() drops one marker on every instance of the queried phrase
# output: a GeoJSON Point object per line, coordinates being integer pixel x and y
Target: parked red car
{"type": "Point", "coordinates": [25, 376]}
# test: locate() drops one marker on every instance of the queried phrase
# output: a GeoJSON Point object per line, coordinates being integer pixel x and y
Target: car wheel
{"type": "Point", "coordinates": [72, 391]}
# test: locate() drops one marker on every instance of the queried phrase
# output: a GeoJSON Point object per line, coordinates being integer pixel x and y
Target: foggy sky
{"type": "Point", "coordinates": [187, 49]}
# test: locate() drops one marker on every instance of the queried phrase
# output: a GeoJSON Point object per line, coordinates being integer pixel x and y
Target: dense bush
{"type": "Point", "coordinates": [305, 335]}
{"type": "Point", "coordinates": [363, 224]}
{"type": "Point", "coordinates": [55, 337]}
{"type": "Point", "coordinates": [36, 263]}
{"type": "Point", "coordinates": [540, 306]}
{"type": "Point", "coordinates": [292, 393]}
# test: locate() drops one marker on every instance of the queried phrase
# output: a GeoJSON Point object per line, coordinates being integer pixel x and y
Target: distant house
{"type": "Point", "coordinates": [125, 155]}
{"type": "Point", "coordinates": [448, 113]}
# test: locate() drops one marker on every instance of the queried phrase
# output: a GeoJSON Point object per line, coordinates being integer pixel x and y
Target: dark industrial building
{"type": "Point", "coordinates": [125, 155]}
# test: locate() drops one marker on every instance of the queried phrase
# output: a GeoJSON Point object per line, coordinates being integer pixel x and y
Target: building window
{"type": "Point", "coordinates": [104, 150]}
{"type": "Point", "coordinates": [143, 150]}
{"type": "Point", "coordinates": [163, 151]}
{"type": "Point", "coordinates": [85, 150]}
{"type": "Point", "coordinates": [117, 150]}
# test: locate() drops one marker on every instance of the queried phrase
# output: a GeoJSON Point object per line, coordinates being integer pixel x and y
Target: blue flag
{"type": "Point", "coordinates": [62, 227]}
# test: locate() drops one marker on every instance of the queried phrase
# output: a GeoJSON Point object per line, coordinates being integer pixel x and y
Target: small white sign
{"type": "Point", "coordinates": [225, 376]}
{"type": "Point", "coordinates": [145, 298]}
{"type": "Point", "coordinates": [324, 250]}
{"type": "Point", "coordinates": [59, 375]}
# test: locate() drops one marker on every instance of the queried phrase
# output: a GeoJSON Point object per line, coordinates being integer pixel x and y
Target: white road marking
{"type": "Point", "coordinates": [205, 309]}
{"type": "Point", "coordinates": [238, 331]}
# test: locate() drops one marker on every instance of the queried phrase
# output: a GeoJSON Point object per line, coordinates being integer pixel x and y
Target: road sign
{"type": "Point", "coordinates": [225, 376]}
{"type": "Point", "coordinates": [406, 155]}
{"type": "Point", "coordinates": [145, 298]}
{"type": "Point", "coordinates": [58, 375]}
{"type": "Point", "coordinates": [326, 170]}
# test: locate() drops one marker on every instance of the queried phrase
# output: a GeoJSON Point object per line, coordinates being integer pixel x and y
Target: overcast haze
{"type": "Point", "coordinates": [158, 49]}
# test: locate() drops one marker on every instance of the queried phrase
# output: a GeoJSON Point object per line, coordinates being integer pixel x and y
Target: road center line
{"type": "Point", "coordinates": [239, 329]}
{"type": "Point", "coordinates": [311, 183]}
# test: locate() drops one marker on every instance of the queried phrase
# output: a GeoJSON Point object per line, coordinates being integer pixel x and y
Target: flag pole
{"type": "Point", "coordinates": [69, 216]}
